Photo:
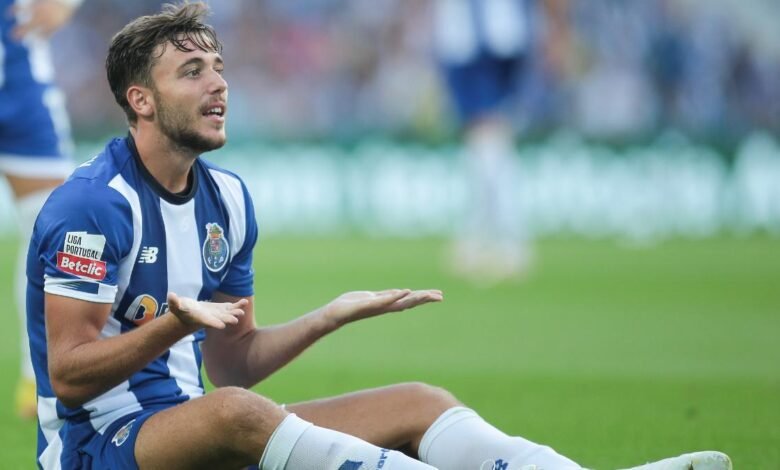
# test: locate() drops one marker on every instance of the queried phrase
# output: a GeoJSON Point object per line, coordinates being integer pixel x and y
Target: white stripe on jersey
{"type": "Point", "coordinates": [183, 254]}
{"type": "Point", "coordinates": [59, 286]}
{"type": "Point", "coordinates": [233, 197]}
{"type": "Point", "coordinates": [50, 426]}
{"type": "Point", "coordinates": [183, 366]}
{"type": "Point", "coordinates": [117, 402]}
{"type": "Point", "coordinates": [40, 60]}
{"type": "Point", "coordinates": [454, 34]}
{"type": "Point", "coordinates": [41, 66]}
{"type": "Point", "coordinates": [503, 28]}
{"type": "Point", "coordinates": [54, 100]}
{"type": "Point", "coordinates": [126, 268]}
{"type": "Point", "coordinates": [112, 405]}
{"type": "Point", "coordinates": [506, 27]}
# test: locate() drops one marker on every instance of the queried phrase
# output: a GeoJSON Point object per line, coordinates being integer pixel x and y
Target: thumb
{"type": "Point", "coordinates": [173, 300]}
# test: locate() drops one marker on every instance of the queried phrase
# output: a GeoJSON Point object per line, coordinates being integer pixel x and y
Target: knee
{"type": "Point", "coordinates": [246, 412]}
{"type": "Point", "coordinates": [431, 397]}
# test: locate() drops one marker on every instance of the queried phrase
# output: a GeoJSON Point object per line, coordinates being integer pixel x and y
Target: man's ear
{"type": "Point", "coordinates": [141, 101]}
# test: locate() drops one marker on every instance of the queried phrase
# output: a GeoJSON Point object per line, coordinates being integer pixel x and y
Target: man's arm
{"type": "Point", "coordinates": [243, 354]}
{"type": "Point", "coordinates": [82, 365]}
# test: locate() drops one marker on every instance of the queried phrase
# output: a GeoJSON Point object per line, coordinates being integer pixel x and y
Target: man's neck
{"type": "Point", "coordinates": [168, 163]}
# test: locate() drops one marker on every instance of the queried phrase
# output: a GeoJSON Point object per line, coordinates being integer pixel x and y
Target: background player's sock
{"type": "Point", "coordinates": [27, 208]}
{"type": "Point", "coordinates": [298, 444]}
{"type": "Point", "coordinates": [461, 439]}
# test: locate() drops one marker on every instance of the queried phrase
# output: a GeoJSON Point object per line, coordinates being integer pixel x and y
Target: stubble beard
{"type": "Point", "coordinates": [179, 129]}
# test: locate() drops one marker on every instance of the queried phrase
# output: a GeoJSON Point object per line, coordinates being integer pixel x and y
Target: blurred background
{"type": "Point", "coordinates": [647, 119]}
{"type": "Point", "coordinates": [647, 172]}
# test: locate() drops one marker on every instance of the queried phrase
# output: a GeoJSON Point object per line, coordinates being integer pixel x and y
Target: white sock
{"type": "Point", "coordinates": [460, 439]}
{"type": "Point", "coordinates": [494, 213]}
{"type": "Point", "coordinates": [299, 445]}
{"type": "Point", "coordinates": [27, 209]}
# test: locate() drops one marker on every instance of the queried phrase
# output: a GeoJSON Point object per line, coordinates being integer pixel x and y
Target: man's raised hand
{"type": "Point", "coordinates": [358, 305]}
{"type": "Point", "coordinates": [205, 314]}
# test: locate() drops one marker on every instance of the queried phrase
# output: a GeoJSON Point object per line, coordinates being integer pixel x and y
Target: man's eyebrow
{"type": "Point", "coordinates": [199, 61]}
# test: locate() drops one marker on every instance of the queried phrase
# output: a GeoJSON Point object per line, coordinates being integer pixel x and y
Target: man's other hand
{"type": "Point", "coordinates": [205, 314]}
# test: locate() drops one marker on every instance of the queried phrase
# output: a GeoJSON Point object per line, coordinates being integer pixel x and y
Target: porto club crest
{"type": "Point", "coordinates": [215, 249]}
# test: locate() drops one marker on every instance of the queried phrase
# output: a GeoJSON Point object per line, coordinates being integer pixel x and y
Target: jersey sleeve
{"type": "Point", "coordinates": [82, 233]}
{"type": "Point", "coordinates": [239, 279]}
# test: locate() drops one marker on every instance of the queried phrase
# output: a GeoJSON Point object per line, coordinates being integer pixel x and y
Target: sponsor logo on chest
{"type": "Point", "coordinates": [81, 255]}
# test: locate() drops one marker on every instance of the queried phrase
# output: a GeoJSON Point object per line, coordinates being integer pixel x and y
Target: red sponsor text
{"type": "Point", "coordinates": [83, 267]}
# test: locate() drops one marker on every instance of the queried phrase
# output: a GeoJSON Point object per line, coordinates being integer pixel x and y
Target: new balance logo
{"type": "Point", "coordinates": [148, 255]}
{"type": "Point", "coordinates": [499, 464]}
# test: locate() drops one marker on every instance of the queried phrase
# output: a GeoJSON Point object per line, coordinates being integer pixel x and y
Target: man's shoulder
{"type": "Point", "coordinates": [85, 194]}
{"type": "Point", "coordinates": [106, 165]}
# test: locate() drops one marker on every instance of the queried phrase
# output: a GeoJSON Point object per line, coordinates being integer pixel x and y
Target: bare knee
{"type": "Point", "coordinates": [429, 397]}
{"type": "Point", "coordinates": [240, 412]}
{"type": "Point", "coordinates": [425, 403]}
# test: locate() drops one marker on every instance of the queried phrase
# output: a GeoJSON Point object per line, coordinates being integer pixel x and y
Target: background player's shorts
{"type": "Point", "coordinates": [483, 85]}
{"type": "Point", "coordinates": [34, 132]}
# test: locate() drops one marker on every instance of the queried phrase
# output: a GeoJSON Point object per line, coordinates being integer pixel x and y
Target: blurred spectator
{"type": "Point", "coordinates": [35, 145]}
{"type": "Point", "coordinates": [349, 68]}
{"type": "Point", "coordinates": [485, 50]}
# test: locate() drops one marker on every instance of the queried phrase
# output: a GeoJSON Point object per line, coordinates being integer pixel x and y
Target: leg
{"type": "Point", "coordinates": [232, 428]}
{"type": "Point", "coordinates": [430, 423]}
{"type": "Point", "coordinates": [228, 428]}
{"type": "Point", "coordinates": [393, 417]}
{"type": "Point", "coordinates": [29, 194]}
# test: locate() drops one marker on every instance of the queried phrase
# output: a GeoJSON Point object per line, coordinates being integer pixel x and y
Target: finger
{"type": "Point", "coordinates": [228, 319]}
{"type": "Point", "coordinates": [389, 297]}
{"type": "Point", "coordinates": [388, 291]}
{"type": "Point", "coordinates": [237, 312]}
{"type": "Point", "coordinates": [173, 300]}
{"type": "Point", "coordinates": [215, 323]}
{"type": "Point", "coordinates": [416, 299]}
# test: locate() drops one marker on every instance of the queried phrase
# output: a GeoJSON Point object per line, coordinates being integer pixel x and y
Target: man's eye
{"type": "Point", "coordinates": [193, 73]}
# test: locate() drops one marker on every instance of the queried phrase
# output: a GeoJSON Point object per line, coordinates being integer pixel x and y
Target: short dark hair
{"type": "Point", "coordinates": [131, 55]}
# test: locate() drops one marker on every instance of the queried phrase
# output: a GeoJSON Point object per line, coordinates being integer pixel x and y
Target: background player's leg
{"type": "Point", "coordinates": [29, 194]}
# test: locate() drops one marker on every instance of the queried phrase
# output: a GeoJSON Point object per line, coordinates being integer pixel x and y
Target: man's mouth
{"type": "Point", "coordinates": [217, 110]}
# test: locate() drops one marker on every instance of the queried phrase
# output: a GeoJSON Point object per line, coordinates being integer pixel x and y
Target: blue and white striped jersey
{"type": "Point", "coordinates": [466, 29]}
{"type": "Point", "coordinates": [25, 61]}
{"type": "Point", "coordinates": [34, 127]}
{"type": "Point", "coordinates": [112, 234]}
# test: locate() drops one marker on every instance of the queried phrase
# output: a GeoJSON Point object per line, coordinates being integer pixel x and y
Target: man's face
{"type": "Point", "coordinates": [190, 96]}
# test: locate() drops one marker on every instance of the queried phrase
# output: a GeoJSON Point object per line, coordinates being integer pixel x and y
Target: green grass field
{"type": "Point", "coordinates": [613, 355]}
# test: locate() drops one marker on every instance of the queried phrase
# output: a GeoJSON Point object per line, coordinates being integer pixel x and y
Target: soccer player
{"type": "Point", "coordinates": [484, 50]}
{"type": "Point", "coordinates": [34, 136]}
{"type": "Point", "coordinates": [140, 268]}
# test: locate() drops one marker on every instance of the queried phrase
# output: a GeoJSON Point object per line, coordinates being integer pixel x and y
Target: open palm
{"type": "Point", "coordinates": [205, 314]}
{"type": "Point", "coordinates": [358, 305]}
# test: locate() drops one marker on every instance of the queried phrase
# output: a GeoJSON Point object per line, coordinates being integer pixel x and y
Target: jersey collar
{"type": "Point", "coordinates": [174, 198]}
